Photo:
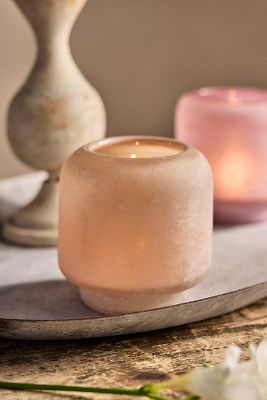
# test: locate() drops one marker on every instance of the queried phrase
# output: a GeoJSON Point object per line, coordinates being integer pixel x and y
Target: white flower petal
{"type": "Point", "coordinates": [208, 383]}
{"type": "Point", "coordinates": [232, 380]}
{"type": "Point", "coordinates": [239, 389]}
{"type": "Point", "coordinates": [261, 359]}
{"type": "Point", "coordinates": [232, 357]}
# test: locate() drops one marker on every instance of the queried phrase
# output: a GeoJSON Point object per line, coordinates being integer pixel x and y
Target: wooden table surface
{"type": "Point", "coordinates": [131, 360]}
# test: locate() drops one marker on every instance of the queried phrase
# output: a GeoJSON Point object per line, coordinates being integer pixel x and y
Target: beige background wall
{"type": "Point", "coordinates": [142, 54]}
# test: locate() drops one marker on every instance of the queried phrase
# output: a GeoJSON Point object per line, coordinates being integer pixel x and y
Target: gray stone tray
{"type": "Point", "coordinates": [36, 302]}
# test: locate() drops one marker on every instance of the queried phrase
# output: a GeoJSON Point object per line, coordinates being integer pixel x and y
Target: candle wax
{"type": "Point", "coordinates": [143, 148]}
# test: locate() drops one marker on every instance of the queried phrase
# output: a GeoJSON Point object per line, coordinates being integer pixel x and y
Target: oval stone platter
{"type": "Point", "coordinates": [37, 303]}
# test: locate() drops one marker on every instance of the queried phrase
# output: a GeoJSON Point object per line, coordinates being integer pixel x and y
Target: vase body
{"type": "Point", "coordinates": [55, 111]}
{"type": "Point", "coordinates": [133, 233]}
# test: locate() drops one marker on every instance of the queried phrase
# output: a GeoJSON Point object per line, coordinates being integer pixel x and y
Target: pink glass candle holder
{"type": "Point", "coordinates": [229, 126]}
{"type": "Point", "coordinates": [135, 222]}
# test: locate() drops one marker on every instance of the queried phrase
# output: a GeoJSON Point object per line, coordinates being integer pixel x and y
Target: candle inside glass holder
{"type": "Point", "coordinates": [229, 126]}
{"type": "Point", "coordinates": [141, 149]}
{"type": "Point", "coordinates": [135, 222]}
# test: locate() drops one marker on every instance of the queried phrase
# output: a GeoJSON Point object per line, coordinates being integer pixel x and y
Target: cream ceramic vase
{"type": "Point", "coordinates": [54, 113]}
{"type": "Point", "coordinates": [135, 223]}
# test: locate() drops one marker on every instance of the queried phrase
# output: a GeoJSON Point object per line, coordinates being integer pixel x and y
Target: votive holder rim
{"type": "Point", "coordinates": [195, 95]}
{"type": "Point", "coordinates": [92, 146]}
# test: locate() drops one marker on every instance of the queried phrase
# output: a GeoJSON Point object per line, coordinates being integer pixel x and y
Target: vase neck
{"type": "Point", "coordinates": [51, 20]}
{"type": "Point", "coordinates": [53, 46]}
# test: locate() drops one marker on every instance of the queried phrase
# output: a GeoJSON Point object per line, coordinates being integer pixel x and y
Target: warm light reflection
{"type": "Point", "coordinates": [234, 173]}
{"type": "Point", "coordinates": [133, 156]}
{"type": "Point", "coordinates": [233, 97]}
{"type": "Point", "coordinates": [203, 91]}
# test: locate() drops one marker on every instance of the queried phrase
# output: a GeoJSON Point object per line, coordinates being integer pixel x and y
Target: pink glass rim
{"type": "Point", "coordinates": [217, 95]}
{"type": "Point", "coordinates": [94, 146]}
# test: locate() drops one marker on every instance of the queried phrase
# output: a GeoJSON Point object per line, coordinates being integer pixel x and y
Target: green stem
{"type": "Point", "coordinates": [142, 392]}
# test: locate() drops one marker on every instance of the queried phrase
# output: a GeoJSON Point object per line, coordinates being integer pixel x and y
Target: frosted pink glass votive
{"type": "Point", "coordinates": [229, 126]}
{"type": "Point", "coordinates": [135, 222]}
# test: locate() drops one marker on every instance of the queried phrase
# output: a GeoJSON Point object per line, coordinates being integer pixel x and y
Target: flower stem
{"type": "Point", "coordinates": [141, 392]}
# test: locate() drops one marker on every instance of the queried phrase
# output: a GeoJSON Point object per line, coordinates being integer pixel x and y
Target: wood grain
{"type": "Point", "coordinates": [131, 360]}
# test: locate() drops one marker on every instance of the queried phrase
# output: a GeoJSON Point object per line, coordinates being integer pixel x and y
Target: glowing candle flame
{"type": "Point", "coordinates": [234, 173]}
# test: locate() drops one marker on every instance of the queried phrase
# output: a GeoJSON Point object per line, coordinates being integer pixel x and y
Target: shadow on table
{"type": "Point", "coordinates": [47, 300]}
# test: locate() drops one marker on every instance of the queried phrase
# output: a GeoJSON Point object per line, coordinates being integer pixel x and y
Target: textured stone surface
{"type": "Point", "coordinates": [127, 361]}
